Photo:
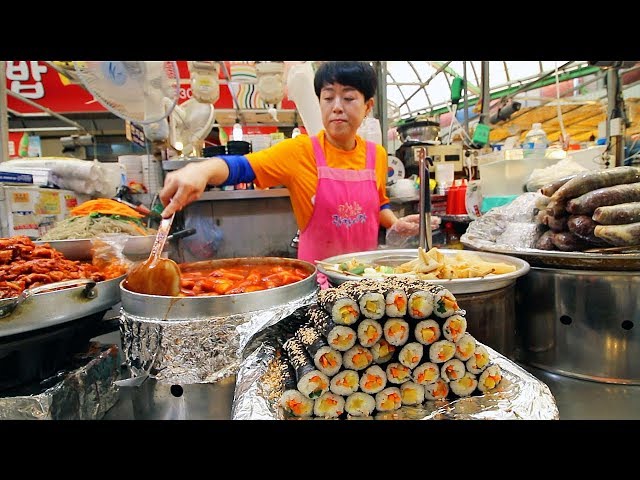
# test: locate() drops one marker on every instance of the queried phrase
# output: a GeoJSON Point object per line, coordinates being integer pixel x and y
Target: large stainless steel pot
{"type": "Point", "coordinates": [187, 308]}
{"type": "Point", "coordinates": [61, 306]}
{"type": "Point", "coordinates": [580, 323]}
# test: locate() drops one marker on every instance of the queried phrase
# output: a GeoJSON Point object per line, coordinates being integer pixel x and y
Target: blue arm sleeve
{"type": "Point", "coordinates": [386, 205]}
{"type": "Point", "coordinates": [240, 170]}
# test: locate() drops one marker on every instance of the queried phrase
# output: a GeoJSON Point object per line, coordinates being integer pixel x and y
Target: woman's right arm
{"type": "Point", "coordinates": [185, 185]}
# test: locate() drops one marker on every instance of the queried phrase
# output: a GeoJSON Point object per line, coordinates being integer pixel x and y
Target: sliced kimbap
{"type": "Point", "coordinates": [490, 378]}
{"type": "Point", "coordinates": [345, 382]}
{"type": "Point", "coordinates": [310, 381]}
{"type": "Point", "coordinates": [373, 379]}
{"type": "Point", "coordinates": [427, 331]}
{"type": "Point", "coordinates": [357, 358]}
{"type": "Point", "coordinates": [397, 373]}
{"type": "Point", "coordinates": [369, 332]}
{"type": "Point", "coordinates": [465, 346]}
{"type": "Point", "coordinates": [479, 361]}
{"type": "Point", "coordinates": [444, 302]}
{"type": "Point", "coordinates": [328, 405]}
{"type": "Point", "coordinates": [342, 338]}
{"type": "Point", "coordinates": [452, 370]}
{"type": "Point", "coordinates": [396, 301]}
{"type": "Point", "coordinates": [426, 373]}
{"type": "Point", "coordinates": [437, 390]}
{"type": "Point", "coordinates": [396, 331]}
{"type": "Point", "coordinates": [342, 308]}
{"type": "Point", "coordinates": [411, 393]}
{"type": "Point", "coordinates": [463, 387]}
{"type": "Point", "coordinates": [388, 399]}
{"type": "Point", "coordinates": [370, 300]}
{"type": "Point", "coordinates": [410, 354]}
{"type": "Point", "coordinates": [382, 351]}
{"type": "Point", "coordinates": [419, 302]}
{"type": "Point", "coordinates": [442, 351]}
{"type": "Point", "coordinates": [296, 404]}
{"type": "Point", "coordinates": [454, 327]}
{"type": "Point", "coordinates": [360, 404]}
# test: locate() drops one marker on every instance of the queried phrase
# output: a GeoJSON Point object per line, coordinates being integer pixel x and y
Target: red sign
{"type": "Point", "coordinates": [42, 84]}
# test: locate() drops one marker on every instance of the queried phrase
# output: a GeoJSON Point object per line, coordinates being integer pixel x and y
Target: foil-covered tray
{"type": "Point", "coordinates": [557, 259]}
{"type": "Point", "coordinates": [518, 396]}
{"type": "Point", "coordinates": [394, 257]}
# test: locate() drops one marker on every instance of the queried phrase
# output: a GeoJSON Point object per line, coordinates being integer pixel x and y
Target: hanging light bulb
{"type": "Point", "coordinates": [237, 131]}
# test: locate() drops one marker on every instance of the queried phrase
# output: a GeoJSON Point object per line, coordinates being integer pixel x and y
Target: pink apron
{"type": "Point", "coordinates": [346, 212]}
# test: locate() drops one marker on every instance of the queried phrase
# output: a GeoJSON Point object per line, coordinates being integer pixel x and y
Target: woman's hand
{"type": "Point", "coordinates": [406, 227]}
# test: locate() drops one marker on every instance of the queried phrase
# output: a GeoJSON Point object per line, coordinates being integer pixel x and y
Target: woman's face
{"type": "Point", "coordinates": [343, 109]}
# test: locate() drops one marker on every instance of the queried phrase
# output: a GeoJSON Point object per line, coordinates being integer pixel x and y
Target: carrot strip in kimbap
{"type": "Point", "coordinates": [479, 361]}
{"type": "Point", "coordinates": [373, 379]}
{"type": "Point", "coordinates": [427, 331]}
{"type": "Point", "coordinates": [454, 327]}
{"type": "Point", "coordinates": [411, 354]}
{"type": "Point", "coordinates": [442, 351]}
{"type": "Point", "coordinates": [359, 404]}
{"type": "Point", "coordinates": [342, 308]}
{"type": "Point", "coordinates": [295, 403]}
{"type": "Point", "coordinates": [310, 381]}
{"type": "Point", "coordinates": [396, 301]}
{"type": "Point", "coordinates": [342, 338]}
{"type": "Point", "coordinates": [370, 300]}
{"type": "Point", "coordinates": [490, 378]}
{"type": "Point", "coordinates": [465, 346]}
{"type": "Point", "coordinates": [328, 405]}
{"type": "Point", "coordinates": [419, 302]}
{"type": "Point", "coordinates": [396, 331]}
{"type": "Point", "coordinates": [325, 358]}
{"type": "Point", "coordinates": [437, 390]}
{"type": "Point", "coordinates": [463, 387]}
{"type": "Point", "coordinates": [444, 303]}
{"type": "Point", "coordinates": [382, 351]}
{"type": "Point", "coordinates": [369, 332]}
{"type": "Point", "coordinates": [411, 393]}
{"type": "Point", "coordinates": [426, 373]}
{"type": "Point", "coordinates": [357, 358]}
{"type": "Point", "coordinates": [398, 373]}
{"type": "Point", "coordinates": [345, 382]}
{"type": "Point", "coordinates": [452, 370]}
{"type": "Point", "coordinates": [388, 399]}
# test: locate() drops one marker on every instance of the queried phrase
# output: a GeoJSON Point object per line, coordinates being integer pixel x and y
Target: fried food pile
{"type": "Point", "coordinates": [23, 264]}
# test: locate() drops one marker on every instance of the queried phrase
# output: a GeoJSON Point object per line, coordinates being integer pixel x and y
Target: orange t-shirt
{"type": "Point", "coordinates": [291, 163]}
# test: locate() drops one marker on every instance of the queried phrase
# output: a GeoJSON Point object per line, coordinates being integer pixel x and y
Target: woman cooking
{"type": "Point", "coordinates": [336, 179]}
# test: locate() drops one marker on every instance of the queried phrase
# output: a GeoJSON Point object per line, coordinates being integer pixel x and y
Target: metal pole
{"type": "Point", "coordinates": [615, 119]}
{"type": "Point", "coordinates": [425, 238]}
{"type": "Point", "coordinates": [4, 122]}
{"type": "Point", "coordinates": [466, 98]}
{"type": "Point", "coordinates": [45, 109]}
{"type": "Point", "coordinates": [380, 107]}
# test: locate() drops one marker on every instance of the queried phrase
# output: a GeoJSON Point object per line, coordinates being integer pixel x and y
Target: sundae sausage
{"type": "Point", "coordinates": [568, 242]}
{"type": "Point", "coordinates": [593, 180]}
{"type": "Point", "coordinates": [552, 187]}
{"type": "Point", "coordinates": [618, 214]}
{"type": "Point", "coordinates": [615, 195]}
{"type": "Point", "coordinates": [619, 235]}
{"type": "Point", "coordinates": [583, 226]}
{"type": "Point", "coordinates": [556, 208]}
{"type": "Point", "coordinates": [545, 242]}
{"type": "Point", "coordinates": [557, 224]}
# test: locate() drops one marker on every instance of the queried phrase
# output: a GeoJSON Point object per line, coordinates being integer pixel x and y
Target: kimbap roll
{"type": "Point", "coordinates": [388, 399]}
{"type": "Point", "coordinates": [427, 332]}
{"type": "Point", "coordinates": [296, 404]}
{"type": "Point", "coordinates": [411, 393]}
{"type": "Point", "coordinates": [345, 382]}
{"type": "Point", "coordinates": [437, 390]}
{"type": "Point", "coordinates": [369, 332]}
{"type": "Point", "coordinates": [452, 370]}
{"type": "Point", "coordinates": [419, 302]}
{"type": "Point", "coordinates": [490, 378]}
{"type": "Point", "coordinates": [357, 358]}
{"type": "Point", "coordinates": [310, 381]}
{"type": "Point", "coordinates": [465, 346]}
{"type": "Point", "coordinates": [342, 308]}
{"type": "Point", "coordinates": [319, 319]}
{"type": "Point", "coordinates": [442, 351]}
{"type": "Point", "coordinates": [396, 331]}
{"type": "Point", "coordinates": [425, 373]}
{"type": "Point", "coordinates": [454, 327]}
{"type": "Point", "coordinates": [370, 301]}
{"type": "Point", "coordinates": [325, 358]}
{"type": "Point", "coordinates": [411, 354]}
{"type": "Point", "coordinates": [373, 379]}
{"type": "Point", "coordinates": [342, 338]}
{"type": "Point", "coordinates": [398, 373]}
{"type": "Point", "coordinates": [359, 404]}
{"type": "Point", "coordinates": [479, 361]}
{"type": "Point", "coordinates": [382, 351]}
{"type": "Point", "coordinates": [395, 300]}
{"type": "Point", "coordinates": [463, 387]}
{"type": "Point", "coordinates": [444, 303]}
{"type": "Point", "coordinates": [328, 405]}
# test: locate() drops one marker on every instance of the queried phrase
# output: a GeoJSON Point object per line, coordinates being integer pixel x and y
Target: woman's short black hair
{"type": "Point", "coordinates": [359, 75]}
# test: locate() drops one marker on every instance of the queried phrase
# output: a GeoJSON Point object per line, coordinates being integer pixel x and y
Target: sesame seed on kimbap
{"type": "Point", "coordinates": [342, 338]}
{"type": "Point", "coordinates": [310, 380]}
{"type": "Point", "coordinates": [452, 370]}
{"type": "Point", "coordinates": [328, 405]}
{"type": "Point", "coordinates": [463, 387]}
{"type": "Point", "coordinates": [410, 354]}
{"type": "Point", "coordinates": [444, 303]}
{"type": "Point", "coordinates": [397, 373]}
{"type": "Point", "coordinates": [427, 331]}
{"type": "Point", "coordinates": [411, 393]}
{"type": "Point", "coordinates": [382, 351]}
{"type": "Point", "coordinates": [345, 382]}
{"type": "Point", "coordinates": [359, 404]}
{"type": "Point", "coordinates": [369, 332]}
{"type": "Point", "coordinates": [426, 373]}
{"type": "Point", "coordinates": [490, 378]}
{"type": "Point", "coordinates": [373, 379]}
{"type": "Point", "coordinates": [454, 327]}
{"type": "Point", "coordinates": [388, 399]}
{"type": "Point", "coordinates": [465, 346]}
{"type": "Point", "coordinates": [441, 351]}
{"type": "Point", "coordinates": [296, 404]}
{"type": "Point", "coordinates": [357, 358]}
{"type": "Point", "coordinates": [437, 390]}
{"type": "Point", "coordinates": [396, 331]}
{"type": "Point", "coordinates": [478, 361]}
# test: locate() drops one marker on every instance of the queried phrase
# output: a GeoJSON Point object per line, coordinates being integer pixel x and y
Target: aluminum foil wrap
{"type": "Point", "coordinates": [519, 396]}
{"type": "Point", "coordinates": [85, 393]}
{"type": "Point", "coordinates": [198, 350]}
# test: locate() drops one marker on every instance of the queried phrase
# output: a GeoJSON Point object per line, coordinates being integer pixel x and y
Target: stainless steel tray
{"type": "Point", "coordinates": [558, 259]}
{"type": "Point", "coordinates": [393, 257]}
{"type": "Point", "coordinates": [54, 308]}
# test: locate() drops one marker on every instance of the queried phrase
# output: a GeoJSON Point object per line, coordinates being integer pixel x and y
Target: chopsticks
{"type": "Point", "coordinates": [331, 268]}
{"type": "Point", "coordinates": [624, 248]}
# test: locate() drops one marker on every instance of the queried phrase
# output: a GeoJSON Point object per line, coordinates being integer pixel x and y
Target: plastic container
{"type": "Point", "coordinates": [508, 177]}
{"type": "Point", "coordinates": [535, 141]}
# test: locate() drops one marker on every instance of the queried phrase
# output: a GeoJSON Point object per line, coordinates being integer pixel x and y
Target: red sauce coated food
{"type": "Point", "coordinates": [238, 279]}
